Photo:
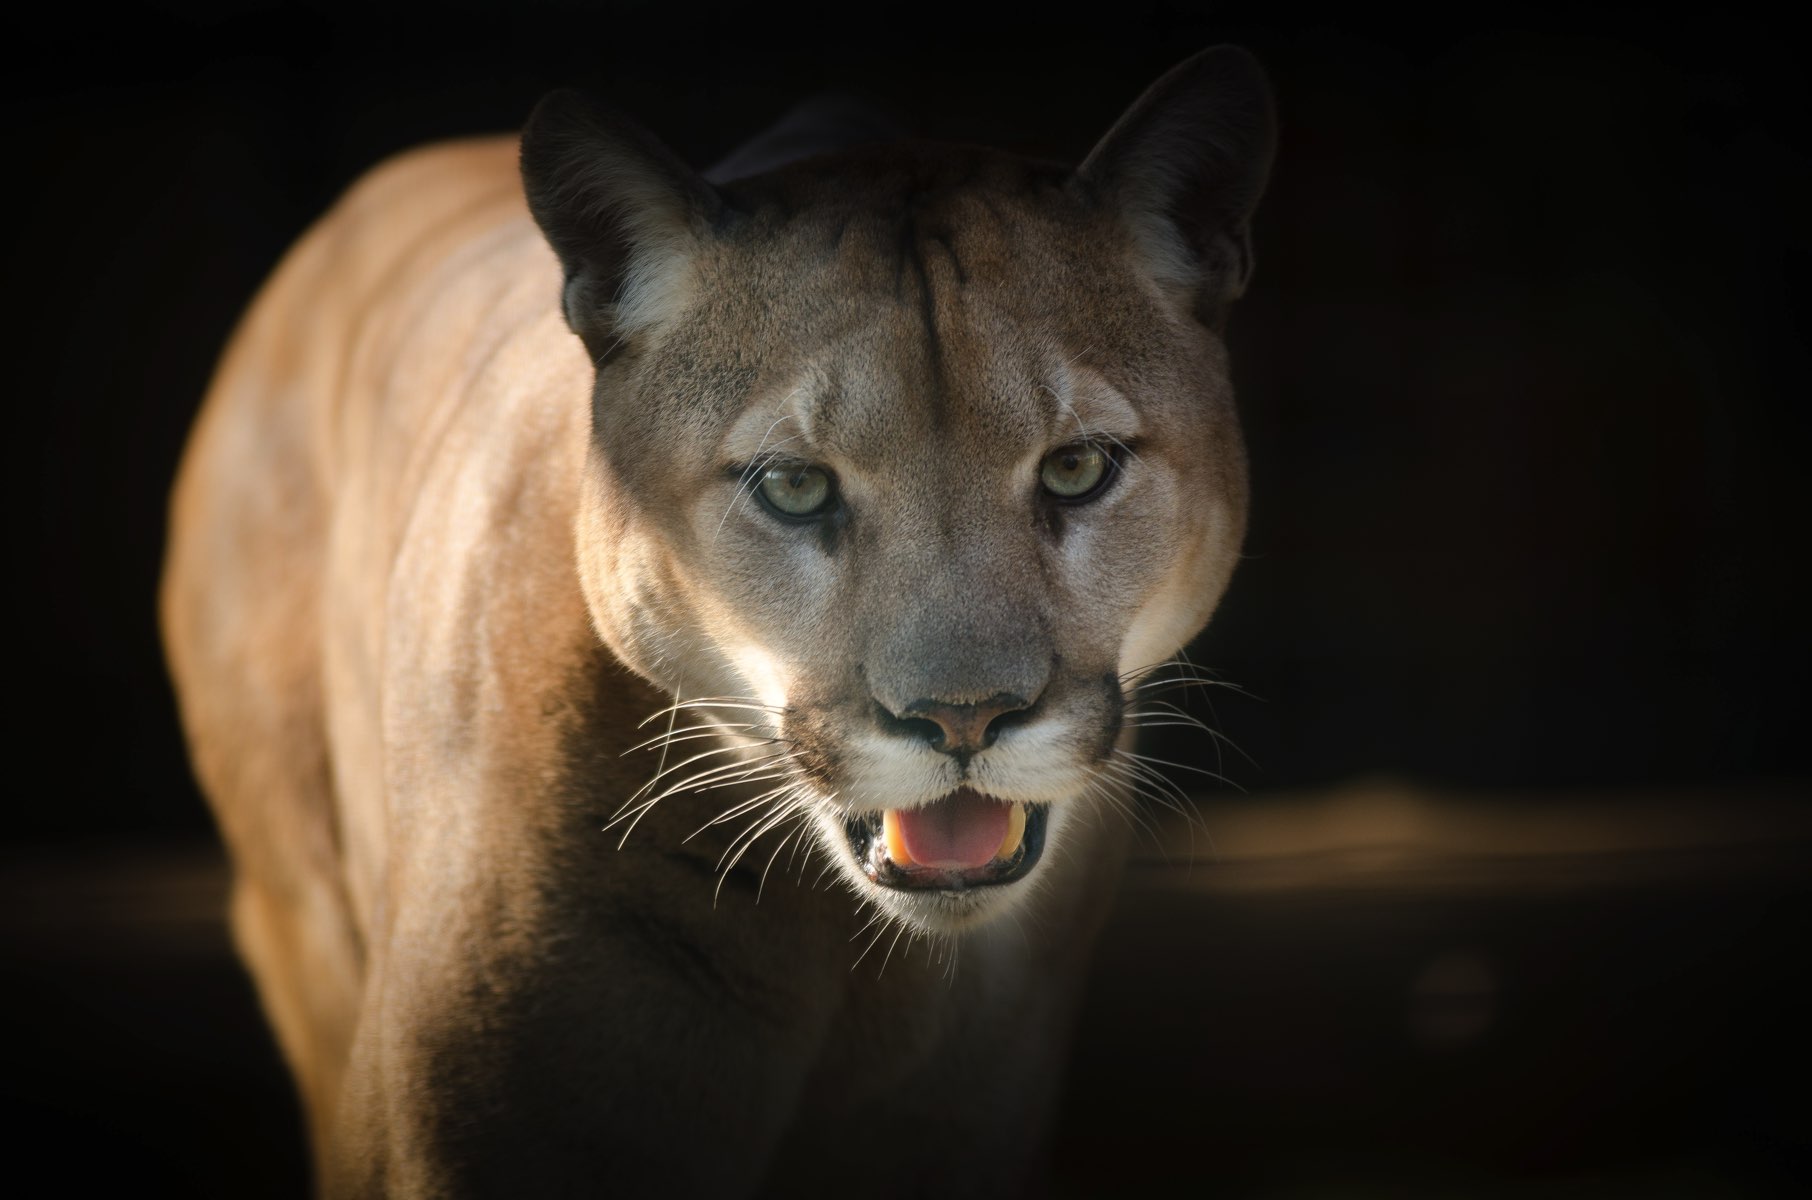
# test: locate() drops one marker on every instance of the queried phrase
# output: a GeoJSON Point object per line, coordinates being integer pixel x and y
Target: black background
{"type": "Point", "coordinates": [1523, 368]}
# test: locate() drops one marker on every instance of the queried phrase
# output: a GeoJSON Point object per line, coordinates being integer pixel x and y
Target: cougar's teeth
{"type": "Point", "coordinates": [896, 840]}
{"type": "Point", "coordinates": [1016, 832]}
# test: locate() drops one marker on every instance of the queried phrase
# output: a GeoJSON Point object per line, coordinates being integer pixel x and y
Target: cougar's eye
{"type": "Point", "coordinates": [1076, 471]}
{"type": "Point", "coordinates": [797, 490]}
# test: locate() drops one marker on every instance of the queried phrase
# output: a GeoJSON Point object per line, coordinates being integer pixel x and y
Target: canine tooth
{"type": "Point", "coordinates": [1016, 832]}
{"type": "Point", "coordinates": [896, 840]}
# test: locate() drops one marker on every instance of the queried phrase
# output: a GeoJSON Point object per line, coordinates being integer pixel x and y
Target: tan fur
{"type": "Point", "coordinates": [421, 594]}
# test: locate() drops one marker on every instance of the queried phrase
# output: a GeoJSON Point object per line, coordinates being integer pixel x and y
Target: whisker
{"type": "Point", "coordinates": [888, 957]}
{"type": "Point", "coordinates": [688, 734]}
{"type": "Point", "coordinates": [1176, 674]}
{"type": "Point", "coordinates": [1147, 784]}
{"type": "Point", "coordinates": [787, 810]}
{"type": "Point", "coordinates": [737, 810]}
{"type": "Point", "coordinates": [1135, 819]}
{"type": "Point", "coordinates": [660, 765]}
{"type": "Point", "coordinates": [635, 807]}
{"type": "Point", "coordinates": [634, 819]}
{"type": "Point", "coordinates": [771, 772]}
{"type": "Point", "coordinates": [879, 934]}
{"type": "Point", "coordinates": [750, 831]}
{"type": "Point", "coordinates": [1179, 682]}
{"type": "Point", "coordinates": [1165, 762]}
{"type": "Point", "coordinates": [1151, 786]}
{"type": "Point", "coordinates": [792, 839]}
{"type": "Point", "coordinates": [728, 773]}
{"type": "Point", "coordinates": [745, 482]}
{"type": "Point", "coordinates": [727, 702]}
{"type": "Point", "coordinates": [1130, 769]}
{"type": "Point", "coordinates": [748, 475]}
{"type": "Point", "coordinates": [699, 757]}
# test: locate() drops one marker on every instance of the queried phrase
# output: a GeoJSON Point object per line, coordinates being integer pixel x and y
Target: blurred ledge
{"type": "Point", "coordinates": [1379, 990]}
{"type": "Point", "coordinates": [82, 899]}
{"type": "Point", "coordinates": [1391, 834]}
{"type": "Point", "coordinates": [111, 899]}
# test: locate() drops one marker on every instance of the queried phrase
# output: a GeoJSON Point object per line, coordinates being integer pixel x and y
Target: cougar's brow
{"type": "Point", "coordinates": [1081, 403]}
{"type": "Point", "coordinates": [770, 426]}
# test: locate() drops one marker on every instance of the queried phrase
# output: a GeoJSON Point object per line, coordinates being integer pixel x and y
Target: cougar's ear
{"type": "Point", "coordinates": [624, 214]}
{"type": "Point", "coordinates": [1184, 167]}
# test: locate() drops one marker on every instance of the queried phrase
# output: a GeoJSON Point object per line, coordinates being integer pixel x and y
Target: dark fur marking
{"type": "Point", "coordinates": [1115, 715]}
{"type": "Point", "coordinates": [658, 936]}
{"type": "Point", "coordinates": [810, 729]}
{"type": "Point", "coordinates": [831, 527]}
{"type": "Point", "coordinates": [943, 242]}
{"type": "Point", "coordinates": [902, 251]}
{"type": "Point", "coordinates": [912, 249]}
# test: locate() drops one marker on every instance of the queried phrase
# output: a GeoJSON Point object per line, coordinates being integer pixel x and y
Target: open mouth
{"type": "Point", "coordinates": [963, 840]}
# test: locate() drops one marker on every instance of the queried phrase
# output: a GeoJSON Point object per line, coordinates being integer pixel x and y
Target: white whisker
{"type": "Point", "coordinates": [755, 459]}
{"type": "Point", "coordinates": [688, 734]}
{"type": "Point", "coordinates": [789, 839]}
{"type": "Point", "coordinates": [888, 957]}
{"type": "Point", "coordinates": [879, 934]}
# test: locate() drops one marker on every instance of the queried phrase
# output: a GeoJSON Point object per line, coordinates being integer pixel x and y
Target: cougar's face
{"type": "Point", "coordinates": [907, 488]}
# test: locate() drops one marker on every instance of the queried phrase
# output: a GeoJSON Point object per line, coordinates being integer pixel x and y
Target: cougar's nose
{"type": "Point", "coordinates": [959, 729]}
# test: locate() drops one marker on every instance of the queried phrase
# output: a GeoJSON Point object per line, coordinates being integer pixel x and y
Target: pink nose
{"type": "Point", "coordinates": [965, 728]}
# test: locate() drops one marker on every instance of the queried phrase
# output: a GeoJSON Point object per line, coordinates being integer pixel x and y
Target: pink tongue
{"type": "Point", "coordinates": [958, 833]}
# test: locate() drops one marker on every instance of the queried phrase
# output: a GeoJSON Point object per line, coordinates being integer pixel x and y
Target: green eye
{"type": "Point", "coordinates": [1072, 472]}
{"type": "Point", "coordinates": [796, 491]}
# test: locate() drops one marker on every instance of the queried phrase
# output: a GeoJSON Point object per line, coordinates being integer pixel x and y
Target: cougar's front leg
{"type": "Point", "coordinates": [520, 1038]}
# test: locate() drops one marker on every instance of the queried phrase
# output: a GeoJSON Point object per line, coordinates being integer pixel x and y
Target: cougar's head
{"type": "Point", "coordinates": [907, 461]}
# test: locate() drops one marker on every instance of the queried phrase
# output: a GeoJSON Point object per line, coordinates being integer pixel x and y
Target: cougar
{"type": "Point", "coordinates": [663, 648]}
